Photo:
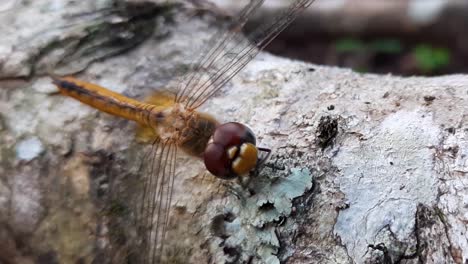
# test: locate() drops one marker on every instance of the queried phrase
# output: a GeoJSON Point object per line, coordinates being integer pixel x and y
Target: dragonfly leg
{"type": "Point", "coordinates": [262, 160]}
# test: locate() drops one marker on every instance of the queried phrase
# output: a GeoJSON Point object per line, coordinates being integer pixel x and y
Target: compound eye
{"type": "Point", "coordinates": [217, 161]}
{"type": "Point", "coordinates": [246, 160]}
{"type": "Point", "coordinates": [231, 152]}
{"type": "Point", "coordinates": [233, 134]}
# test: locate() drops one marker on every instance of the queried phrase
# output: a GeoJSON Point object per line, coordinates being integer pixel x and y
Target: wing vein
{"type": "Point", "coordinates": [146, 198]}
{"type": "Point", "coordinates": [157, 248]}
{"type": "Point", "coordinates": [221, 39]}
{"type": "Point", "coordinates": [244, 52]}
{"type": "Point", "coordinates": [261, 39]}
{"type": "Point", "coordinates": [156, 199]}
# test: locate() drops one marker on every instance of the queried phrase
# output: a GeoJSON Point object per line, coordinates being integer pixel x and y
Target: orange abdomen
{"type": "Point", "coordinates": [104, 99]}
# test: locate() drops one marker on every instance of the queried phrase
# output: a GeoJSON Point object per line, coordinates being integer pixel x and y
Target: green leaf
{"type": "Point", "coordinates": [349, 45]}
{"type": "Point", "coordinates": [391, 46]}
{"type": "Point", "coordinates": [430, 59]}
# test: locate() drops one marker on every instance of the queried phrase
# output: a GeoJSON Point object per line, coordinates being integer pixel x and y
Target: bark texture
{"type": "Point", "coordinates": [365, 168]}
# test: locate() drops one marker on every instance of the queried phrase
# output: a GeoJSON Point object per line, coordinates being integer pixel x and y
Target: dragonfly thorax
{"type": "Point", "coordinates": [190, 130]}
{"type": "Point", "coordinates": [169, 122]}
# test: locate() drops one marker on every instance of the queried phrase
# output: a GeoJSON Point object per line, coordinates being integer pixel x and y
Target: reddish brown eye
{"type": "Point", "coordinates": [217, 161]}
{"type": "Point", "coordinates": [225, 148]}
{"type": "Point", "coordinates": [233, 134]}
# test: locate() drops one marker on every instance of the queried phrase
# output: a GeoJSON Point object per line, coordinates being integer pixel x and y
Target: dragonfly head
{"type": "Point", "coordinates": [231, 151]}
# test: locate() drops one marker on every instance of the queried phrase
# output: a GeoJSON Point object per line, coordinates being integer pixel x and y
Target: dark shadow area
{"type": "Point", "coordinates": [388, 45]}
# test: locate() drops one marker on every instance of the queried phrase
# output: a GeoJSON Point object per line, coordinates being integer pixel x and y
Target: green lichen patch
{"type": "Point", "coordinates": [252, 234]}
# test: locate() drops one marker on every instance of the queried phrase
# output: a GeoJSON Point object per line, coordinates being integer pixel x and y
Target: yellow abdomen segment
{"type": "Point", "coordinates": [103, 99]}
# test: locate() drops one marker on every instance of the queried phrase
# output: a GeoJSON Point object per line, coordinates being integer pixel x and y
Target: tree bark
{"type": "Point", "coordinates": [365, 168]}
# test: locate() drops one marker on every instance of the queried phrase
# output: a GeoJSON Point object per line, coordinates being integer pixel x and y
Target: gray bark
{"type": "Point", "coordinates": [365, 168]}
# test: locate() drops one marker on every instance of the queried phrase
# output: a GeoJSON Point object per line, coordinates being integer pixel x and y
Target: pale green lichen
{"type": "Point", "coordinates": [29, 149]}
{"type": "Point", "coordinates": [253, 232]}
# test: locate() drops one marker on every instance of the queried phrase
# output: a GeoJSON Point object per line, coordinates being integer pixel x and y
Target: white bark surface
{"type": "Point", "coordinates": [375, 167]}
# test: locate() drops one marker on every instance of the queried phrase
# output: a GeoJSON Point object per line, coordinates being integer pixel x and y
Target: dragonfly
{"type": "Point", "coordinates": [229, 150]}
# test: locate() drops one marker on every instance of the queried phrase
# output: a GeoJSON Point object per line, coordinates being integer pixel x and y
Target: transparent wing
{"type": "Point", "coordinates": [231, 52]}
{"type": "Point", "coordinates": [158, 182]}
{"type": "Point", "coordinates": [214, 48]}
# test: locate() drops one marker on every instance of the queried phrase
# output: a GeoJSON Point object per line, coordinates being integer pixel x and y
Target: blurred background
{"type": "Point", "coordinates": [402, 37]}
{"type": "Point", "coordinates": [84, 154]}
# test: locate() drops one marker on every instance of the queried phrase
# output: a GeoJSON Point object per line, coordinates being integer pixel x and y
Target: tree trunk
{"type": "Point", "coordinates": [365, 168]}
